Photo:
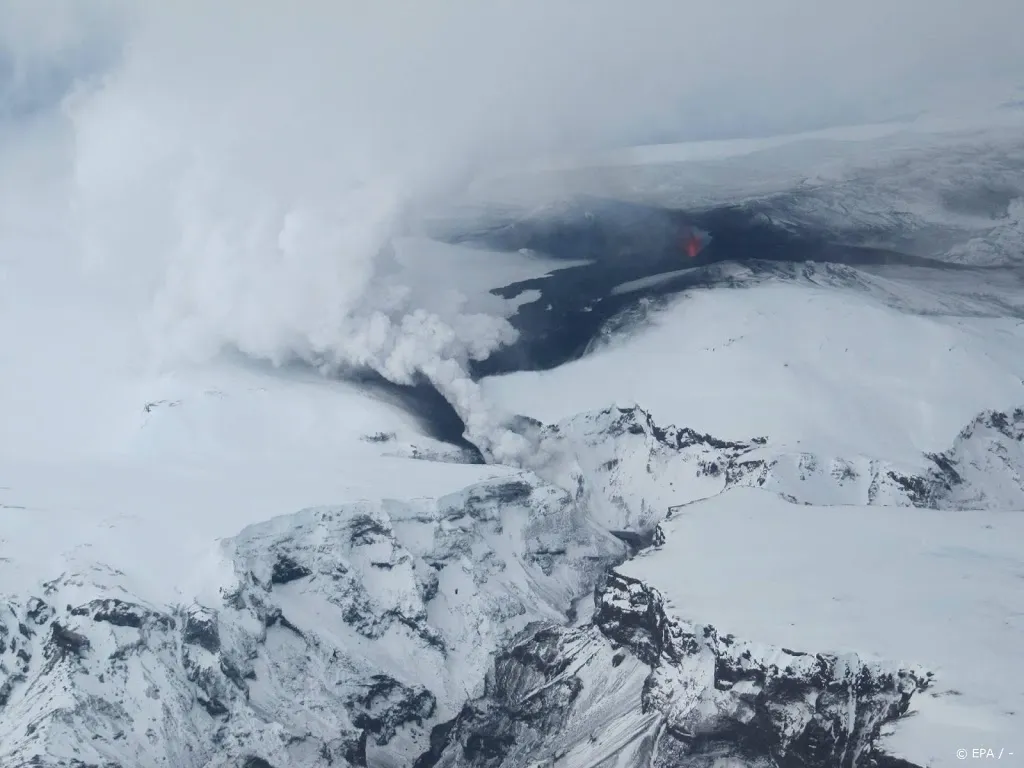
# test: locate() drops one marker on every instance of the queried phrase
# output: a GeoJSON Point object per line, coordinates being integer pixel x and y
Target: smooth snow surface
{"type": "Point", "coordinates": [153, 470]}
{"type": "Point", "coordinates": [816, 368]}
{"type": "Point", "coordinates": [919, 586]}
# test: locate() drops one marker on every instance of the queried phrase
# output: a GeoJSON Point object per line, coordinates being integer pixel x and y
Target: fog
{"type": "Point", "coordinates": [232, 170]}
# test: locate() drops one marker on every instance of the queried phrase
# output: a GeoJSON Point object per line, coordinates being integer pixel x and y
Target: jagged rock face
{"type": "Point", "coordinates": [643, 688]}
{"type": "Point", "coordinates": [100, 682]}
{"type": "Point", "coordinates": [558, 692]}
{"type": "Point", "coordinates": [985, 467]}
{"type": "Point", "coordinates": [627, 470]}
{"type": "Point", "coordinates": [347, 635]}
{"type": "Point", "coordinates": [804, 478]}
{"type": "Point", "coordinates": [793, 707]}
{"type": "Point", "coordinates": [376, 634]}
{"type": "Point", "coordinates": [982, 470]}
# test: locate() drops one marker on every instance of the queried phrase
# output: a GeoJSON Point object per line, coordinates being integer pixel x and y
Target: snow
{"type": "Point", "coordinates": [132, 448]}
{"type": "Point", "coordinates": [111, 454]}
{"type": "Point", "coordinates": [436, 269]}
{"type": "Point", "coordinates": [220, 448]}
{"type": "Point", "coordinates": [160, 524]}
{"type": "Point", "coordinates": [816, 368]}
{"type": "Point", "coordinates": [918, 586]}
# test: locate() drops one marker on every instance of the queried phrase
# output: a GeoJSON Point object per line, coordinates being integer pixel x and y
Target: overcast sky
{"type": "Point", "coordinates": [525, 72]}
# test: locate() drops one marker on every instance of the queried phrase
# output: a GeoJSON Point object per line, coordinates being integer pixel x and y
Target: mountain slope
{"type": "Point", "coordinates": [461, 630]}
{"type": "Point", "coordinates": [846, 618]}
{"type": "Point", "coordinates": [340, 634]}
{"type": "Point", "coordinates": [244, 565]}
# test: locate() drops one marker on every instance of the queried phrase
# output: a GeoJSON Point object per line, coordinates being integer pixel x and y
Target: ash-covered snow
{"type": "Point", "coordinates": [641, 687]}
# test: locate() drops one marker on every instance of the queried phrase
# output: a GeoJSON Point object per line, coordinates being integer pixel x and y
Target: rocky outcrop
{"type": "Point", "coordinates": [640, 687]}
{"type": "Point", "coordinates": [445, 630]}
{"type": "Point", "coordinates": [627, 470]}
{"type": "Point", "coordinates": [627, 450]}
{"type": "Point", "coordinates": [344, 636]}
{"type": "Point", "coordinates": [529, 699]}
{"type": "Point", "coordinates": [806, 478]}
{"type": "Point", "coordinates": [718, 693]}
{"type": "Point", "coordinates": [984, 469]}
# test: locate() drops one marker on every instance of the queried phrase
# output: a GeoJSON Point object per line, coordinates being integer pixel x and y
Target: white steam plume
{"type": "Point", "coordinates": [242, 165]}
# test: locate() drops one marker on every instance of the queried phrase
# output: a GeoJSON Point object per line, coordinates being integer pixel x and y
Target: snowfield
{"type": "Point", "coordinates": [826, 369]}
{"type": "Point", "coordinates": [209, 454]}
{"type": "Point", "coordinates": [921, 586]}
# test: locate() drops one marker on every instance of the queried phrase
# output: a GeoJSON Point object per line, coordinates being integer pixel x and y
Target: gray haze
{"type": "Point", "coordinates": [520, 73]}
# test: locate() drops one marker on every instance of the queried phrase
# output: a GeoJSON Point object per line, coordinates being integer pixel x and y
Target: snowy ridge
{"type": "Point", "coordinates": [809, 479]}
{"type": "Point", "coordinates": [457, 632]}
{"type": "Point", "coordinates": [347, 632]}
{"type": "Point", "coordinates": [627, 470]}
{"type": "Point", "coordinates": [698, 696]}
{"type": "Point", "coordinates": [985, 467]}
{"type": "Point", "coordinates": [684, 695]}
{"type": "Point", "coordinates": [931, 588]}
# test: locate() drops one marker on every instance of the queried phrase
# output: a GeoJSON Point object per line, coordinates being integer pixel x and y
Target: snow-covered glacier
{"type": "Point", "coordinates": [364, 403]}
{"type": "Point", "coordinates": [569, 616]}
{"type": "Point", "coordinates": [763, 518]}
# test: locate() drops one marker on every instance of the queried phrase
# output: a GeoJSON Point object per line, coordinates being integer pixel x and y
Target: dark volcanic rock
{"type": "Point", "coordinates": [123, 614]}
{"type": "Point", "coordinates": [286, 570]}
{"type": "Point", "coordinates": [201, 629]}
{"type": "Point", "coordinates": [386, 705]}
{"type": "Point", "coordinates": [702, 697]}
{"type": "Point", "coordinates": [528, 697]}
{"type": "Point", "coordinates": [64, 641]}
{"type": "Point", "coordinates": [365, 530]}
{"type": "Point", "coordinates": [820, 710]}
